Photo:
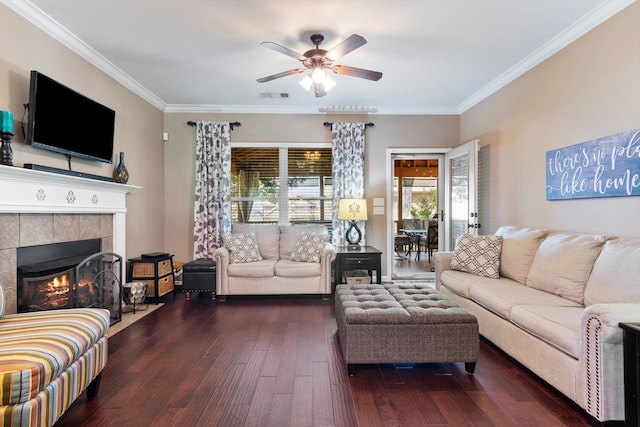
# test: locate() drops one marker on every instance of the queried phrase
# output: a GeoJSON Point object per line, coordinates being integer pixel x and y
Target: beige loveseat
{"type": "Point", "coordinates": [555, 308]}
{"type": "Point", "coordinates": [290, 259]}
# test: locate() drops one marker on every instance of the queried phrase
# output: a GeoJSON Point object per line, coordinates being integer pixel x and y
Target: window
{"type": "Point", "coordinates": [282, 185]}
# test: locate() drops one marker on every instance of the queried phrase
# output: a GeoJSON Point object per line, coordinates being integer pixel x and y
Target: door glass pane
{"type": "Point", "coordinates": [459, 196]}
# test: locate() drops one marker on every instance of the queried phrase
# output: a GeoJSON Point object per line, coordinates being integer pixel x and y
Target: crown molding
{"type": "Point", "coordinates": [37, 17]}
{"type": "Point", "coordinates": [578, 29]}
{"type": "Point", "coordinates": [50, 26]}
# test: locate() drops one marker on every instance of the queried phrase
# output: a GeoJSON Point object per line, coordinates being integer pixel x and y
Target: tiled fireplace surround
{"type": "Point", "coordinates": [39, 207]}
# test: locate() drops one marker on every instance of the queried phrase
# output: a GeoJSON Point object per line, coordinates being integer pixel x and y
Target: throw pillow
{"type": "Point", "coordinates": [243, 247]}
{"type": "Point", "coordinates": [308, 247]}
{"type": "Point", "coordinates": [478, 255]}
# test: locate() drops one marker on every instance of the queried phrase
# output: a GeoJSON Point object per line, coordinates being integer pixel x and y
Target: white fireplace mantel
{"type": "Point", "coordinates": [31, 191]}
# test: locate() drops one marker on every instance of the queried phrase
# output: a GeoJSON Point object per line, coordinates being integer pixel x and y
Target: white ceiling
{"type": "Point", "coordinates": [436, 56]}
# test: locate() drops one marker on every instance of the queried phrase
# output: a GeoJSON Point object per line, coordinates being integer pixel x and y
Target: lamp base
{"type": "Point", "coordinates": [353, 247]}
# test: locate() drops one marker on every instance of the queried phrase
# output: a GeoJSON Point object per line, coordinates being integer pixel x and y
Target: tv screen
{"type": "Point", "coordinates": [62, 120]}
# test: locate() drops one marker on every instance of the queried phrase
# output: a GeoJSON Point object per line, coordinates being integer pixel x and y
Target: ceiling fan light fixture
{"type": "Point", "coordinates": [318, 75]}
{"type": "Point", "coordinates": [306, 83]}
{"type": "Point", "coordinates": [328, 83]}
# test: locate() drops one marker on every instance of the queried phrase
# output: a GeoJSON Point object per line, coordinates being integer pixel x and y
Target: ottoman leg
{"type": "Point", "coordinates": [213, 295]}
{"type": "Point", "coordinates": [470, 367]}
{"type": "Point", "coordinates": [187, 294]}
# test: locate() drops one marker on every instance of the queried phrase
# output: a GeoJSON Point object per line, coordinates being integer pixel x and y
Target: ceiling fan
{"type": "Point", "coordinates": [318, 60]}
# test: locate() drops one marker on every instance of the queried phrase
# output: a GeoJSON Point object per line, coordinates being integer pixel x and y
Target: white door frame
{"type": "Point", "coordinates": [390, 155]}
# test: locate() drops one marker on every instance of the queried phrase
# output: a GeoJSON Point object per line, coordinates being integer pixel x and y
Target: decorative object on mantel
{"type": "Point", "coordinates": [120, 172]}
{"type": "Point", "coordinates": [6, 134]}
{"type": "Point", "coordinates": [604, 167]}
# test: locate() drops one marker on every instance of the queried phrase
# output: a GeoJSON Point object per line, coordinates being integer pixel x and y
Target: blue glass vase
{"type": "Point", "coordinates": [120, 172]}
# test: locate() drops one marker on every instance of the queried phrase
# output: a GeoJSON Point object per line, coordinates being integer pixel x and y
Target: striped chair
{"type": "Point", "coordinates": [47, 359]}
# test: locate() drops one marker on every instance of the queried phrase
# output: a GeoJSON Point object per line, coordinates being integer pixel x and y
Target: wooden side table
{"type": "Point", "coordinates": [364, 258]}
{"type": "Point", "coordinates": [631, 341]}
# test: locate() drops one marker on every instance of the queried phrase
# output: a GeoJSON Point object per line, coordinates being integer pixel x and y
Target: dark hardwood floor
{"type": "Point", "coordinates": [277, 362]}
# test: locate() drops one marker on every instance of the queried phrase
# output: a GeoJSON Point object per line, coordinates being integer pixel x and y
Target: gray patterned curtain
{"type": "Point", "coordinates": [212, 204]}
{"type": "Point", "coordinates": [348, 172]}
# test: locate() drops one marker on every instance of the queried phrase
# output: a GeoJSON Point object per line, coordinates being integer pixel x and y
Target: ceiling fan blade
{"type": "Point", "coordinates": [357, 72]}
{"type": "Point", "coordinates": [282, 74]}
{"type": "Point", "coordinates": [351, 43]}
{"type": "Point", "coordinates": [285, 50]}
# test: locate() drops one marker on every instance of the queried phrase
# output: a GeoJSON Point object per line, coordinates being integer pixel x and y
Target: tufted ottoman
{"type": "Point", "coordinates": [403, 323]}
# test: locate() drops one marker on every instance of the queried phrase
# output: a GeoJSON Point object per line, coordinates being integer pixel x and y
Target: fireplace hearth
{"type": "Point", "coordinates": [68, 275]}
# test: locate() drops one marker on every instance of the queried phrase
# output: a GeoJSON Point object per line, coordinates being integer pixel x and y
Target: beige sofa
{"type": "Point", "coordinates": [278, 272]}
{"type": "Point", "coordinates": [555, 308]}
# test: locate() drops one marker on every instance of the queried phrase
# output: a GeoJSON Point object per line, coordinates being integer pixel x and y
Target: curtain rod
{"type": "Point", "coordinates": [367, 125]}
{"type": "Point", "coordinates": [231, 125]}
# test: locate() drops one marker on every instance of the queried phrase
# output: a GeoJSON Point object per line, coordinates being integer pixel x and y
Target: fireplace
{"type": "Point", "coordinates": [68, 275]}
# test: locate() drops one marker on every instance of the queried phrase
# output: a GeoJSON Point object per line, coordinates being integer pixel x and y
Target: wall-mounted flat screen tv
{"type": "Point", "coordinates": [65, 121]}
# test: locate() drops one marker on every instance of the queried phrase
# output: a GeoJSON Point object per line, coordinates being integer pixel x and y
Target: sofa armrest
{"type": "Point", "coordinates": [221, 256]}
{"type": "Point", "coordinates": [328, 254]}
{"type": "Point", "coordinates": [443, 263]}
{"type": "Point", "coordinates": [602, 358]}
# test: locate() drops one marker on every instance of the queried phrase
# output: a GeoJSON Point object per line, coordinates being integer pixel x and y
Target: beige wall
{"type": "Point", "coordinates": [138, 128]}
{"type": "Point", "coordinates": [588, 90]}
{"type": "Point", "coordinates": [389, 131]}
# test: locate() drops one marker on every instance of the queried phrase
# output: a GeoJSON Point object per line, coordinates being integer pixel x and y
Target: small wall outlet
{"type": "Point", "coordinates": [165, 136]}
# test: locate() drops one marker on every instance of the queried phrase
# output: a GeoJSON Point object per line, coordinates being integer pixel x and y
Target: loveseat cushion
{"type": "Point", "coordinates": [501, 296]}
{"type": "Point", "coordinates": [264, 268]}
{"type": "Point", "coordinates": [563, 263]}
{"type": "Point", "coordinates": [558, 326]}
{"type": "Point", "coordinates": [286, 268]}
{"type": "Point", "coordinates": [519, 246]}
{"type": "Point", "coordinates": [37, 347]}
{"type": "Point", "coordinates": [615, 278]}
{"type": "Point", "coordinates": [268, 236]}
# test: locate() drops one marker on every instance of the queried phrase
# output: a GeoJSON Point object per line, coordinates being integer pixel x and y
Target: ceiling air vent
{"type": "Point", "coordinates": [274, 95]}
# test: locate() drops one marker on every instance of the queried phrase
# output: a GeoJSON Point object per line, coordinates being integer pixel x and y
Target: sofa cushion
{"type": "Point", "coordinates": [309, 246]}
{"type": "Point", "coordinates": [286, 268]}
{"type": "Point", "coordinates": [500, 296]}
{"type": "Point", "coordinates": [243, 247]}
{"type": "Point", "coordinates": [460, 282]}
{"type": "Point", "coordinates": [519, 246]}
{"type": "Point", "coordinates": [477, 255]}
{"type": "Point", "coordinates": [264, 268]}
{"type": "Point", "coordinates": [289, 236]}
{"type": "Point", "coordinates": [558, 326]}
{"type": "Point", "coordinates": [268, 237]}
{"type": "Point", "coordinates": [615, 277]}
{"type": "Point", "coordinates": [563, 263]}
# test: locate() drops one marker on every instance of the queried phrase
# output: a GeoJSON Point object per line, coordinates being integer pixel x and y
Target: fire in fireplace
{"type": "Point", "coordinates": [48, 292]}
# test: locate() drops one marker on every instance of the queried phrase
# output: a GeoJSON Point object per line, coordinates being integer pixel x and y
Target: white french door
{"type": "Point", "coordinates": [459, 213]}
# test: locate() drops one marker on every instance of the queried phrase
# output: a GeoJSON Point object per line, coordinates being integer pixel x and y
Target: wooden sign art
{"type": "Point", "coordinates": [604, 167]}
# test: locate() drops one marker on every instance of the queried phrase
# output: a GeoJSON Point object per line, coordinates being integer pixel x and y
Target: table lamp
{"type": "Point", "coordinates": [353, 210]}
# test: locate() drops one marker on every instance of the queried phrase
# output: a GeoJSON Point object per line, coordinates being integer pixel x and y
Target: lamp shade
{"type": "Point", "coordinates": [352, 209]}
